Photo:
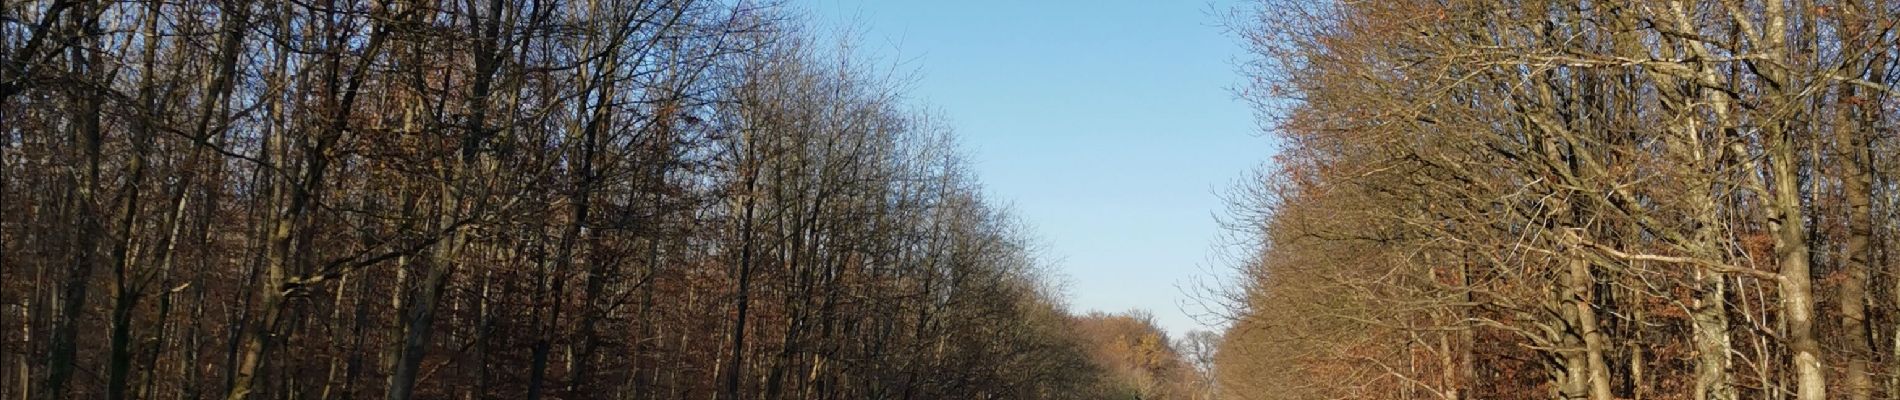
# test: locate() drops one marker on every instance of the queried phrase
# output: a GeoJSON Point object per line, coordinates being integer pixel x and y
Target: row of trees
{"type": "Point", "coordinates": [1572, 199]}
{"type": "Point", "coordinates": [1139, 361]}
{"type": "Point", "coordinates": [519, 199]}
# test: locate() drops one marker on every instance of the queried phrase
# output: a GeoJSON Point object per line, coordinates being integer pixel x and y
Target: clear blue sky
{"type": "Point", "coordinates": [1109, 126]}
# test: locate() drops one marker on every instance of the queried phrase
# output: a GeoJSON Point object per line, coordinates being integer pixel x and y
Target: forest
{"type": "Point", "coordinates": [716, 199]}
{"type": "Point", "coordinates": [508, 199]}
{"type": "Point", "coordinates": [1542, 199]}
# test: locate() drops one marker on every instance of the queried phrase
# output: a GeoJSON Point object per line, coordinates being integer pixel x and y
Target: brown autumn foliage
{"type": "Point", "coordinates": [1138, 358]}
{"type": "Point", "coordinates": [1565, 199]}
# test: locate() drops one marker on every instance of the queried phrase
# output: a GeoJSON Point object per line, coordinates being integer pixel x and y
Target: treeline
{"type": "Point", "coordinates": [501, 199]}
{"type": "Point", "coordinates": [1138, 359]}
{"type": "Point", "coordinates": [1654, 199]}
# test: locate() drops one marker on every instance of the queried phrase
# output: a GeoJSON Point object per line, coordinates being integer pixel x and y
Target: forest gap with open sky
{"type": "Point", "coordinates": [987, 199]}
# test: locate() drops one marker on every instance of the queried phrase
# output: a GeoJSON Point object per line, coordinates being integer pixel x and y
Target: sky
{"type": "Point", "coordinates": [1110, 127]}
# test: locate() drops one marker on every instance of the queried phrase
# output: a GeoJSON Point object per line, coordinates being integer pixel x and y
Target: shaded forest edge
{"type": "Point", "coordinates": [506, 199]}
{"type": "Point", "coordinates": [1650, 199]}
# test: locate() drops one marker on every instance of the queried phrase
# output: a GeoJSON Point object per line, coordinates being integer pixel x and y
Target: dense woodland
{"type": "Point", "coordinates": [1645, 199]}
{"type": "Point", "coordinates": [507, 199]}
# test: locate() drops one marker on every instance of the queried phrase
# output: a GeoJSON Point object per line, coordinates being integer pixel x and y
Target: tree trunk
{"type": "Point", "coordinates": [1581, 286]}
{"type": "Point", "coordinates": [1792, 255]}
{"type": "Point", "coordinates": [735, 365]}
{"type": "Point", "coordinates": [421, 321]}
{"type": "Point", "coordinates": [1856, 127]}
{"type": "Point", "coordinates": [89, 138]}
